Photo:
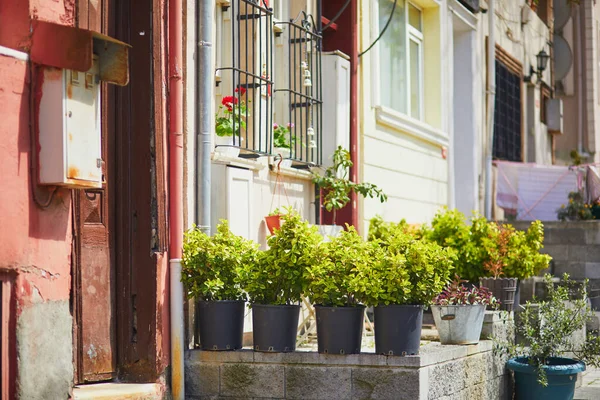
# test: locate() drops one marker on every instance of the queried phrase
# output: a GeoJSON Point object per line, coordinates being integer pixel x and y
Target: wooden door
{"type": "Point", "coordinates": [93, 274]}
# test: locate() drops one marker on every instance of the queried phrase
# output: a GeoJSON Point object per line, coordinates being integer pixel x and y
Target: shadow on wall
{"type": "Point", "coordinates": [50, 221]}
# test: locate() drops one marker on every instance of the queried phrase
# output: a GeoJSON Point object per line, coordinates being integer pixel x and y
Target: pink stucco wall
{"type": "Point", "coordinates": [33, 241]}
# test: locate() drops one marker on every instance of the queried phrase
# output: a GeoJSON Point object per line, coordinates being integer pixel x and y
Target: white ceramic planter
{"type": "Point", "coordinates": [224, 145]}
{"type": "Point", "coordinates": [285, 153]}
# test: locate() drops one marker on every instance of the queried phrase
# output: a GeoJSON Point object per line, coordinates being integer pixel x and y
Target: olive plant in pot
{"type": "Point", "coordinates": [543, 366]}
{"type": "Point", "coordinates": [410, 274]}
{"type": "Point", "coordinates": [336, 289]}
{"type": "Point", "coordinates": [211, 274]}
{"type": "Point", "coordinates": [276, 282]}
{"type": "Point", "coordinates": [459, 310]}
{"type": "Point", "coordinates": [512, 255]}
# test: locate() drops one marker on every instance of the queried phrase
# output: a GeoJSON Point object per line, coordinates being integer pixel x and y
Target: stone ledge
{"type": "Point", "coordinates": [431, 353]}
{"type": "Point", "coordinates": [449, 372]}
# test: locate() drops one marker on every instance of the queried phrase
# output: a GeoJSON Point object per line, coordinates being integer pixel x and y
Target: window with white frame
{"type": "Point", "coordinates": [401, 57]}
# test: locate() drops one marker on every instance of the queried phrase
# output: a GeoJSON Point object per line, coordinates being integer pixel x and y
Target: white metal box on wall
{"type": "Point", "coordinates": [69, 128]}
{"type": "Point", "coordinates": [231, 199]}
{"type": "Point", "coordinates": [72, 63]}
{"type": "Point", "coordinates": [554, 115]}
{"type": "Point", "coordinates": [336, 103]}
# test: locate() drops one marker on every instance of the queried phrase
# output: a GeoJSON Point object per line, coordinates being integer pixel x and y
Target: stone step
{"type": "Point", "coordinates": [119, 391]}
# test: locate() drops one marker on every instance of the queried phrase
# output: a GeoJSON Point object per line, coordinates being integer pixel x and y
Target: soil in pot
{"type": "Point", "coordinates": [274, 327]}
{"type": "Point", "coordinates": [339, 329]}
{"type": "Point", "coordinates": [504, 289]}
{"type": "Point", "coordinates": [221, 324]}
{"type": "Point", "coordinates": [398, 329]}
{"type": "Point", "coordinates": [459, 324]}
{"type": "Point", "coordinates": [561, 374]}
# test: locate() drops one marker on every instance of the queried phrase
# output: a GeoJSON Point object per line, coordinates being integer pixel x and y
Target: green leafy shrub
{"type": "Point", "coordinates": [381, 230]}
{"type": "Point", "coordinates": [337, 186]}
{"type": "Point", "coordinates": [411, 271]}
{"type": "Point", "coordinates": [211, 266]}
{"type": "Point", "coordinates": [547, 328]}
{"type": "Point", "coordinates": [449, 229]}
{"type": "Point", "coordinates": [334, 280]}
{"type": "Point", "coordinates": [279, 275]}
{"type": "Point", "coordinates": [486, 248]}
{"type": "Point", "coordinates": [523, 258]}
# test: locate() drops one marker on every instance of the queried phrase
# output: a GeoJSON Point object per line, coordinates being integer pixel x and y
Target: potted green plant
{"type": "Point", "coordinates": [510, 256]}
{"type": "Point", "coordinates": [273, 220]}
{"type": "Point", "coordinates": [336, 289]}
{"type": "Point", "coordinates": [458, 312]}
{"type": "Point", "coordinates": [336, 185]}
{"type": "Point", "coordinates": [540, 367]}
{"type": "Point", "coordinates": [230, 120]}
{"type": "Point", "coordinates": [211, 274]}
{"type": "Point", "coordinates": [283, 141]}
{"type": "Point", "coordinates": [276, 282]}
{"type": "Point", "coordinates": [410, 274]}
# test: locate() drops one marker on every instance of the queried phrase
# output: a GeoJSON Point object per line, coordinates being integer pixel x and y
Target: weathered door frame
{"type": "Point", "coordinates": [137, 186]}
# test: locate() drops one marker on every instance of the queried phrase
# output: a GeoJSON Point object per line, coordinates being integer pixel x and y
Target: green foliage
{"type": "Point", "coordinates": [382, 231]}
{"type": "Point", "coordinates": [411, 270]}
{"type": "Point", "coordinates": [577, 209]}
{"type": "Point", "coordinates": [547, 328]}
{"type": "Point", "coordinates": [211, 265]}
{"type": "Point", "coordinates": [458, 294]}
{"type": "Point", "coordinates": [337, 186]}
{"type": "Point", "coordinates": [487, 249]}
{"type": "Point", "coordinates": [282, 137]}
{"type": "Point", "coordinates": [231, 115]}
{"type": "Point", "coordinates": [523, 259]}
{"type": "Point", "coordinates": [279, 275]}
{"type": "Point", "coordinates": [335, 280]}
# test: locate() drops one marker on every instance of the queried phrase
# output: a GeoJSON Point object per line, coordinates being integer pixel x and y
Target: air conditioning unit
{"type": "Point", "coordinates": [554, 115]}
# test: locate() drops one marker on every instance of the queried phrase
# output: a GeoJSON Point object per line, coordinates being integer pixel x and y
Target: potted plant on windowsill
{"type": "Point", "coordinates": [276, 282]}
{"type": "Point", "coordinates": [282, 142]}
{"type": "Point", "coordinates": [458, 312]}
{"type": "Point", "coordinates": [211, 274]}
{"type": "Point", "coordinates": [336, 185]}
{"type": "Point", "coordinates": [336, 289]}
{"type": "Point", "coordinates": [511, 256]}
{"type": "Point", "coordinates": [230, 120]}
{"type": "Point", "coordinates": [540, 368]}
{"type": "Point", "coordinates": [411, 273]}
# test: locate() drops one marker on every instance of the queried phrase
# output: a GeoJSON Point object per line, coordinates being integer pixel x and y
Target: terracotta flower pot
{"type": "Point", "coordinates": [273, 222]}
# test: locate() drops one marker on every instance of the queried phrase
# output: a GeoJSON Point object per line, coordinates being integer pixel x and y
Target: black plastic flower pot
{"type": "Point", "coordinates": [274, 327]}
{"type": "Point", "coordinates": [503, 289]}
{"type": "Point", "coordinates": [339, 329]}
{"type": "Point", "coordinates": [221, 324]}
{"type": "Point", "coordinates": [398, 329]}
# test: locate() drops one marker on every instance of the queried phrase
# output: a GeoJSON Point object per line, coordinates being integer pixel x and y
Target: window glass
{"type": "Point", "coordinates": [393, 58]}
{"type": "Point", "coordinates": [415, 79]}
{"type": "Point", "coordinates": [414, 17]}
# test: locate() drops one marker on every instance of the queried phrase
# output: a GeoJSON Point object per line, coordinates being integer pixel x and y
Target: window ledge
{"type": "Point", "coordinates": [289, 171]}
{"type": "Point", "coordinates": [246, 163]}
{"type": "Point", "coordinates": [413, 127]}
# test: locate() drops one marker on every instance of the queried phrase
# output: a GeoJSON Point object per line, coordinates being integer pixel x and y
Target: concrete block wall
{"type": "Point", "coordinates": [575, 249]}
{"type": "Point", "coordinates": [439, 372]}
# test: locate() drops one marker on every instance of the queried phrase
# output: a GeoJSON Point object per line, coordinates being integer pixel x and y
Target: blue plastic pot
{"type": "Point", "coordinates": [561, 372]}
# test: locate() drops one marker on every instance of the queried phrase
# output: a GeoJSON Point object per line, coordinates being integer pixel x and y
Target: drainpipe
{"type": "Point", "coordinates": [578, 21]}
{"type": "Point", "coordinates": [205, 78]}
{"type": "Point", "coordinates": [491, 98]}
{"type": "Point", "coordinates": [176, 195]}
{"type": "Point", "coordinates": [354, 154]}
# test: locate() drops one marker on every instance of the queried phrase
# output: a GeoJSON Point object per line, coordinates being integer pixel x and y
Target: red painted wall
{"type": "Point", "coordinates": [35, 243]}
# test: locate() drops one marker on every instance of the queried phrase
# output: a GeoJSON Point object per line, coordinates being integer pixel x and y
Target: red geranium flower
{"type": "Point", "coordinates": [241, 91]}
{"type": "Point", "coordinates": [229, 102]}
